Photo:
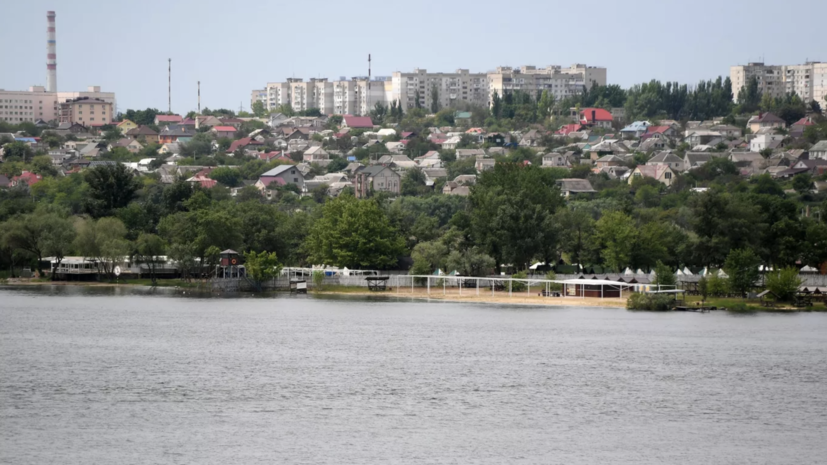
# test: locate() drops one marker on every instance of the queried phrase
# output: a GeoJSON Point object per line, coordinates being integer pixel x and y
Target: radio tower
{"type": "Point", "coordinates": [51, 53]}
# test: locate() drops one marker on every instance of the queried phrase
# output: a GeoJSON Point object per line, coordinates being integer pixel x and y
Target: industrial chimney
{"type": "Point", "coordinates": [51, 54]}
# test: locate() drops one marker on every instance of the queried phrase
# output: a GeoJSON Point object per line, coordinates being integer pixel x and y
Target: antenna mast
{"type": "Point", "coordinates": [199, 97]}
{"type": "Point", "coordinates": [169, 86]}
{"type": "Point", "coordinates": [367, 99]}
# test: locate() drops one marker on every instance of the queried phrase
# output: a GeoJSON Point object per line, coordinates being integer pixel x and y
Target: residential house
{"type": "Point", "coordinates": [659, 132]}
{"type": "Point", "coordinates": [399, 162]}
{"type": "Point", "coordinates": [234, 122]}
{"type": "Point", "coordinates": [765, 140]}
{"type": "Point", "coordinates": [561, 160]}
{"type": "Point", "coordinates": [357, 122]}
{"type": "Point", "coordinates": [483, 164]}
{"type": "Point", "coordinates": [433, 174]}
{"type": "Point", "coordinates": [203, 179]}
{"type": "Point", "coordinates": [764, 120]}
{"type": "Point", "coordinates": [596, 117]}
{"type": "Point", "coordinates": [143, 133]}
{"type": "Point", "coordinates": [385, 132]}
{"type": "Point", "coordinates": [571, 187]}
{"type": "Point", "coordinates": [727, 130]}
{"type": "Point", "coordinates": [429, 160]}
{"type": "Point", "coordinates": [496, 138]}
{"type": "Point", "coordinates": [208, 121]}
{"type": "Point", "coordinates": [531, 138]}
{"type": "Point", "coordinates": [276, 120]}
{"type": "Point", "coordinates": [495, 151]}
{"type": "Point", "coordinates": [244, 144]}
{"type": "Point", "coordinates": [749, 163]}
{"type": "Point", "coordinates": [163, 120]}
{"type": "Point", "coordinates": [129, 144]}
{"type": "Point", "coordinates": [316, 155]}
{"type": "Point", "coordinates": [126, 125]}
{"type": "Point", "coordinates": [615, 172]}
{"type": "Point", "coordinates": [4, 181]}
{"type": "Point", "coordinates": [696, 137]}
{"type": "Point", "coordinates": [25, 178]}
{"type": "Point", "coordinates": [170, 148]}
{"type": "Point", "coordinates": [376, 178]}
{"type": "Point", "coordinates": [172, 133]}
{"type": "Point", "coordinates": [635, 130]}
{"type": "Point", "coordinates": [451, 143]}
{"type": "Point", "coordinates": [608, 160]}
{"type": "Point", "coordinates": [797, 128]}
{"type": "Point", "coordinates": [223, 131]}
{"type": "Point", "coordinates": [815, 167]}
{"type": "Point", "coordinates": [463, 154]}
{"type": "Point", "coordinates": [281, 176]}
{"type": "Point", "coordinates": [395, 147]}
{"type": "Point", "coordinates": [669, 159]}
{"type": "Point", "coordinates": [609, 147]}
{"type": "Point", "coordinates": [650, 144]}
{"type": "Point", "coordinates": [692, 160]}
{"type": "Point", "coordinates": [568, 129]}
{"type": "Point", "coordinates": [661, 173]}
{"type": "Point", "coordinates": [819, 151]}
{"type": "Point", "coordinates": [461, 185]}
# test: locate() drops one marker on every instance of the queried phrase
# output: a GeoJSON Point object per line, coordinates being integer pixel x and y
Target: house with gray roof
{"type": "Point", "coordinates": [281, 176]}
{"type": "Point", "coordinates": [432, 174]}
{"type": "Point", "coordinates": [376, 178]}
{"type": "Point", "coordinates": [572, 187]}
{"type": "Point", "coordinates": [819, 151]}
{"type": "Point", "coordinates": [667, 158]}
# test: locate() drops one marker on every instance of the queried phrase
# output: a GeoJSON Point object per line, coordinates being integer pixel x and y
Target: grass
{"type": "Point", "coordinates": [752, 305]}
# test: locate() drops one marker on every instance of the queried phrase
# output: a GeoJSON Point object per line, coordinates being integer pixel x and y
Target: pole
{"type": "Point", "coordinates": [460, 288]}
{"type": "Point", "coordinates": [510, 280]}
{"type": "Point", "coordinates": [478, 287]}
{"type": "Point", "coordinates": [169, 86]}
{"type": "Point", "coordinates": [429, 285]}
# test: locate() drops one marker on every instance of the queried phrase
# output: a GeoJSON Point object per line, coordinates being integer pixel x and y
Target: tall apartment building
{"type": "Point", "coordinates": [358, 96]}
{"type": "Point", "coordinates": [452, 88]}
{"type": "Point", "coordinates": [808, 81]}
{"type": "Point", "coordinates": [87, 111]}
{"type": "Point", "coordinates": [558, 81]}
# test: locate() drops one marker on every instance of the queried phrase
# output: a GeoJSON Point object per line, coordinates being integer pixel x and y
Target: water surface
{"type": "Point", "coordinates": [127, 376]}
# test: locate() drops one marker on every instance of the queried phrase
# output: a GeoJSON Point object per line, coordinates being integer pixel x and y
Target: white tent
{"type": "Point", "coordinates": [628, 271]}
{"type": "Point", "coordinates": [721, 274]}
{"type": "Point", "coordinates": [536, 265]}
{"type": "Point", "coordinates": [686, 271]}
{"type": "Point", "coordinates": [704, 272]}
{"type": "Point", "coordinates": [679, 273]}
{"type": "Point", "coordinates": [808, 269]}
{"type": "Point", "coordinates": [639, 271]}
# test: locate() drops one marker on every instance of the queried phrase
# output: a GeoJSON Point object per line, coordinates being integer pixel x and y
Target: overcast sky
{"type": "Point", "coordinates": [233, 47]}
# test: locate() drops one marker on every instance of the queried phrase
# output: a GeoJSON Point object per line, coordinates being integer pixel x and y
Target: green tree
{"type": "Point", "coordinates": [230, 177]}
{"type": "Point", "coordinates": [17, 151]}
{"type": "Point", "coordinates": [469, 262]}
{"type": "Point", "coordinates": [150, 249]}
{"type": "Point", "coordinates": [616, 234]}
{"type": "Point", "coordinates": [784, 283]}
{"type": "Point", "coordinates": [39, 234]}
{"type": "Point", "coordinates": [664, 276]}
{"type": "Point", "coordinates": [355, 234]}
{"type": "Point", "coordinates": [803, 183]}
{"type": "Point", "coordinates": [434, 99]}
{"type": "Point", "coordinates": [111, 187]}
{"type": "Point", "coordinates": [103, 241]}
{"type": "Point", "coordinates": [259, 110]}
{"type": "Point", "coordinates": [261, 267]}
{"type": "Point", "coordinates": [742, 267]}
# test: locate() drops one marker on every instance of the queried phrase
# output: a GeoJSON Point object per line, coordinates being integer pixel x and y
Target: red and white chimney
{"type": "Point", "coordinates": [51, 54]}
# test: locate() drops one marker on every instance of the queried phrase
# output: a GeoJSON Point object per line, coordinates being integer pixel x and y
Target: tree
{"type": "Point", "coordinates": [428, 257]}
{"type": "Point", "coordinates": [545, 104]}
{"type": "Point", "coordinates": [784, 283]}
{"type": "Point", "coordinates": [417, 97]}
{"type": "Point", "coordinates": [434, 99]}
{"type": "Point", "coordinates": [230, 177]}
{"type": "Point", "coordinates": [258, 109]}
{"type": "Point", "coordinates": [111, 187]}
{"type": "Point", "coordinates": [664, 276]}
{"type": "Point", "coordinates": [185, 257]}
{"type": "Point", "coordinates": [616, 232]}
{"type": "Point", "coordinates": [703, 288]}
{"type": "Point", "coordinates": [355, 234]}
{"type": "Point", "coordinates": [150, 248]}
{"type": "Point", "coordinates": [39, 234]}
{"type": "Point", "coordinates": [577, 228]}
{"type": "Point", "coordinates": [742, 267]}
{"type": "Point", "coordinates": [803, 183]}
{"type": "Point", "coordinates": [102, 241]}
{"type": "Point", "coordinates": [470, 262]}
{"type": "Point", "coordinates": [413, 182]}
{"type": "Point", "coordinates": [261, 267]}
{"type": "Point", "coordinates": [17, 151]}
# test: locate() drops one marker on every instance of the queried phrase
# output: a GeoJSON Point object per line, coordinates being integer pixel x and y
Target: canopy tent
{"type": "Point", "coordinates": [686, 271]}
{"type": "Point", "coordinates": [628, 272]}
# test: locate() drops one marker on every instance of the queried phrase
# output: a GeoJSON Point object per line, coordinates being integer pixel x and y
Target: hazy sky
{"type": "Point", "coordinates": [233, 47]}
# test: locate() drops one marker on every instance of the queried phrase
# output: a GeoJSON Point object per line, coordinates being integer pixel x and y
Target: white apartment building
{"type": "Point", "coordinates": [808, 81]}
{"type": "Point", "coordinates": [558, 81]}
{"type": "Point", "coordinates": [258, 95]}
{"type": "Point", "coordinates": [452, 88]}
{"type": "Point", "coordinates": [357, 96]}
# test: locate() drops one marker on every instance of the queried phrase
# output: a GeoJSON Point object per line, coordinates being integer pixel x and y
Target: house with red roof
{"type": "Point", "coordinates": [596, 117]}
{"type": "Point", "coordinates": [274, 156]}
{"type": "Point", "coordinates": [568, 129]}
{"type": "Point", "coordinates": [27, 178]}
{"type": "Point", "coordinates": [203, 178]}
{"type": "Point", "coordinates": [161, 120]}
{"type": "Point", "coordinates": [243, 143]}
{"type": "Point", "coordinates": [357, 122]}
{"type": "Point", "coordinates": [659, 132]}
{"type": "Point", "coordinates": [223, 131]}
{"type": "Point", "coordinates": [764, 120]}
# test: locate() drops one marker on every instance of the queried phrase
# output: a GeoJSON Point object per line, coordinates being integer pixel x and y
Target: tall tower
{"type": "Point", "coordinates": [51, 54]}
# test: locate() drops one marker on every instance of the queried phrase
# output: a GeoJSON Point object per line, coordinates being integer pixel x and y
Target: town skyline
{"type": "Point", "coordinates": [228, 62]}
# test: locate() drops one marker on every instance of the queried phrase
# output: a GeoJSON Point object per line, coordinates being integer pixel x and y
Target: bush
{"type": "Point", "coordinates": [318, 280]}
{"type": "Point", "coordinates": [650, 302]}
{"type": "Point", "coordinates": [784, 283]}
{"type": "Point", "coordinates": [518, 286]}
{"type": "Point", "coordinates": [556, 287]}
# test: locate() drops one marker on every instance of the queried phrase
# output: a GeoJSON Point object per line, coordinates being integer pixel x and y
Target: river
{"type": "Point", "coordinates": [129, 376]}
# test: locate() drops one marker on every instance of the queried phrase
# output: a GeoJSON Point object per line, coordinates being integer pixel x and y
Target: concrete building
{"type": "Point", "coordinates": [452, 88]}
{"type": "Point", "coordinates": [86, 111]}
{"type": "Point", "coordinates": [358, 95]}
{"type": "Point", "coordinates": [808, 81]}
{"type": "Point", "coordinates": [31, 105]}
{"type": "Point", "coordinates": [558, 81]}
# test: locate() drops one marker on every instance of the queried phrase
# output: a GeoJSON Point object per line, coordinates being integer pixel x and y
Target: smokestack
{"type": "Point", "coordinates": [51, 53]}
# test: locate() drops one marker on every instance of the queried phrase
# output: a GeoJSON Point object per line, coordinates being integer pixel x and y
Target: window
{"type": "Point", "coordinates": [668, 175]}
{"type": "Point", "coordinates": [295, 179]}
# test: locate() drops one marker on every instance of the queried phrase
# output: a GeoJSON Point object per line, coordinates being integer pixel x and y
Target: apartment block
{"type": "Point", "coordinates": [359, 95]}
{"type": "Point", "coordinates": [86, 111]}
{"type": "Point", "coordinates": [31, 105]}
{"type": "Point", "coordinates": [808, 81]}
{"type": "Point", "coordinates": [558, 81]}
